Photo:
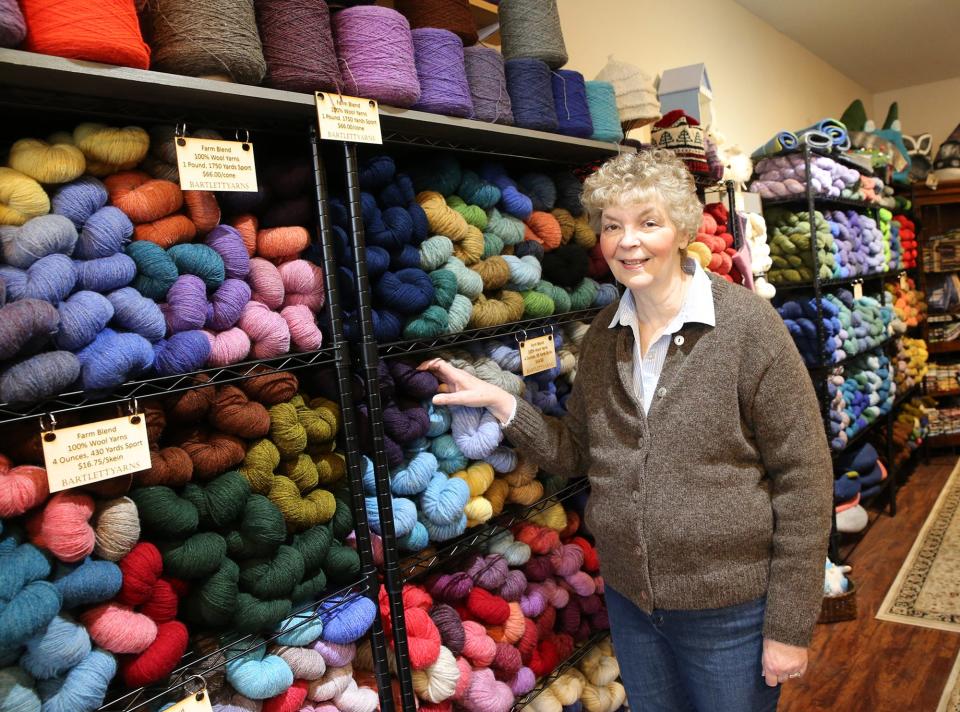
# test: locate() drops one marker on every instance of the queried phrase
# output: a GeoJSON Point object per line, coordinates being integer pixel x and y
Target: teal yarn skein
{"type": "Point", "coordinates": [256, 674]}
{"type": "Point", "coordinates": [459, 315]}
{"type": "Point", "coordinates": [299, 630]}
{"type": "Point", "coordinates": [602, 100]}
{"type": "Point", "coordinates": [447, 452]}
{"type": "Point", "coordinates": [201, 261]}
{"type": "Point", "coordinates": [17, 690]}
{"type": "Point", "coordinates": [156, 270]}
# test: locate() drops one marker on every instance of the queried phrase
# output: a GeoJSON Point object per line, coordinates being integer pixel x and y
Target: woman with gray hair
{"type": "Point", "coordinates": [711, 479]}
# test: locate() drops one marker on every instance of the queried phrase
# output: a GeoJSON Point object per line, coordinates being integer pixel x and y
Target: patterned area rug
{"type": "Point", "coordinates": [926, 592]}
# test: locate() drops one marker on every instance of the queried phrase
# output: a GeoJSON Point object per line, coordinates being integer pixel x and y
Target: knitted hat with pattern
{"type": "Point", "coordinates": [635, 89]}
{"type": "Point", "coordinates": [682, 134]}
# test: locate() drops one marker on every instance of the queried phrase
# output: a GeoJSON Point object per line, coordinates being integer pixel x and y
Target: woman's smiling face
{"type": "Point", "coordinates": [640, 243]}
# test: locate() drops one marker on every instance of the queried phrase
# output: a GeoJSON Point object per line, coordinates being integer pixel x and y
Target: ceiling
{"type": "Point", "coordinates": [880, 44]}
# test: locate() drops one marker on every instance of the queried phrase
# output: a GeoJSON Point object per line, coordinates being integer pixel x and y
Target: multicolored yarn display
{"type": "Point", "coordinates": [861, 245]}
{"type": "Point", "coordinates": [481, 634]}
{"type": "Point", "coordinates": [911, 363]}
{"type": "Point", "coordinates": [132, 276]}
{"type": "Point", "coordinates": [908, 241]}
{"type": "Point", "coordinates": [909, 305]}
{"type": "Point", "coordinates": [860, 391]}
{"type": "Point", "coordinates": [240, 523]}
{"type": "Point", "coordinates": [592, 685]}
{"type": "Point", "coordinates": [789, 240]}
{"type": "Point", "coordinates": [713, 247]}
{"type": "Point", "coordinates": [449, 248]}
{"type": "Point", "coordinates": [911, 427]}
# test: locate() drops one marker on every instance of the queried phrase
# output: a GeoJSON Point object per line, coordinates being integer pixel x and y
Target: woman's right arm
{"type": "Point", "coordinates": [558, 445]}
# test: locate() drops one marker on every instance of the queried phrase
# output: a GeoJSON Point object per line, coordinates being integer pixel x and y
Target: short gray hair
{"type": "Point", "coordinates": [636, 177]}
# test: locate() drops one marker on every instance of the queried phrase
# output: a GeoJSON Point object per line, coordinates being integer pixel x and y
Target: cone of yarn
{"type": "Point", "coordinates": [488, 85]}
{"type": "Point", "coordinates": [298, 45]}
{"type": "Point", "coordinates": [107, 32]}
{"type": "Point", "coordinates": [438, 55]}
{"type": "Point", "coordinates": [570, 100]}
{"type": "Point", "coordinates": [216, 38]}
{"type": "Point", "coordinates": [602, 101]}
{"type": "Point", "coordinates": [21, 197]}
{"type": "Point", "coordinates": [529, 83]}
{"type": "Point", "coordinates": [531, 28]}
{"type": "Point", "coordinates": [375, 54]}
{"type": "Point", "coordinates": [452, 15]}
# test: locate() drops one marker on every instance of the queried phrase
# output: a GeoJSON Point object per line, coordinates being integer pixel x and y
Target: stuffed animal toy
{"type": "Point", "coordinates": [920, 148]}
{"type": "Point", "coordinates": [835, 583]}
{"type": "Point", "coordinates": [885, 146]}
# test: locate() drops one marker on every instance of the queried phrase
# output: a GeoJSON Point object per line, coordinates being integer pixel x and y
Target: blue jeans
{"type": "Point", "coordinates": [691, 661]}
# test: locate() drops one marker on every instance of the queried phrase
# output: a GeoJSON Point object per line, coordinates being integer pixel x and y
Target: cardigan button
{"type": "Point", "coordinates": [678, 339]}
{"type": "Point", "coordinates": [661, 392]}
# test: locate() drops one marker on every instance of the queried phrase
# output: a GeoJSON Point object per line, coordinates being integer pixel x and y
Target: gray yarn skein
{"type": "Point", "coordinates": [201, 38]}
{"type": "Point", "coordinates": [531, 28]}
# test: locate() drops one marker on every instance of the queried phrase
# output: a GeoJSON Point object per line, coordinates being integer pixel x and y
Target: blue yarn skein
{"type": "Point", "coordinates": [529, 84]}
{"type": "Point", "coordinates": [415, 476]}
{"type": "Point", "coordinates": [256, 674]}
{"type": "Point", "coordinates": [53, 651]}
{"type": "Point", "coordinates": [444, 532]}
{"type": "Point", "coordinates": [476, 191]}
{"type": "Point", "coordinates": [82, 316]}
{"type": "Point", "coordinates": [80, 199]}
{"type": "Point", "coordinates": [113, 358]}
{"type": "Point", "coordinates": [26, 326]}
{"type": "Point", "coordinates": [525, 272]}
{"type": "Point", "coordinates": [105, 273]}
{"type": "Point", "coordinates": [16, 690]}
{"type": "Point", "coordinates": [417, 540]}
{"type": "Point", "coordinates": [444, 499]}
{"type": "Point", "coordinates": [570, 100]}
{"type": "Point", "coordinates": [407, 291]}
{"type": "Point", "coordinates": [476, 431]}
{"type": "Point", "coordinates": [134, 312]}
{"type": "Point", "coordinates": [449, 457]}
{"type": "Point", "coordinates": [502, 460]}
{"type": "Point", "coordinates": [541, 190]}
{"type": "Point", "coordinates": [199, 260]}
{"type": "Point", "coordinates": [27, 602]}
{"type": "Point", "coordinates": [512, 200]}
{"type": "Point", "coordinates": [156, 271]}
{"type": "Point", "coordinates": [346, 618]}
{"type": "Point", "coordinates": [83, 688]}
{"type": "Point", "coordinates": [39, 377]}
{"type": "Point", "coordinates": [51, 278]}
{"type": "Point", "coordinates": [91, 581]}
{"type": "Point", "coordinates": [404, 515]}
{"type": "Point", "coordinates": [181, 353]}
{"type": "Point", "coordinates": [36, 238]}
{"type": "Point", "coordinates": [378, 261]}
{"type": "Point", "coordinates": [407, 257]}
{"type": "Point", "coordinates": [377, 172]}
{"type": "Point", "coordinates": [299, 630]}
{"type": "Point", "coordinates": [398, 193]}
{"type": "Point", "coordinates": [440, 419]}
{"type": "Point", "coordinates": [104, 233]}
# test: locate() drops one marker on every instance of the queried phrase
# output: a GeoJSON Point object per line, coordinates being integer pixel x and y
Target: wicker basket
{"type": "Point", "coordinates": [839, 608]}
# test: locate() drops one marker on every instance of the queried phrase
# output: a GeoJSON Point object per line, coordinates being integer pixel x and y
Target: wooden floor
{"type": "Point", "coordinates": [876, 666]}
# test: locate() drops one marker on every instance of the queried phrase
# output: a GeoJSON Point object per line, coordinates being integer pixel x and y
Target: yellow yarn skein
{"type": "Point", "coordinates": [323, 420]}
{"type": "Point", "coordinates": [478, 476]}
{"type": "Point", "coordinates": [494, 271]}
{"type": "Point", "coordinates": [110, 149]}
{"type": "Point", "coordinates": [568, 687]}
{"type": "Point", "coordinates": [566, 222]}
{"type": "Point", "coordinates": [331, 467]}
{"type": "Point", "coordinates": [700, 252]}
{"type": "Point", "coordinates": [583, 233]}
{"type": "Point", "coordinates": [478, 510]}
{"type": "Point", "coordinates": [546, 701]}
{"type": "Point", "coordinates": [527, 493]}
{"type": "Point", "coordinates": [499, 308]}
{"type": "Point", "coordinates": [59, 163]}
{"type": "Point", "coordinates": [497, 494]}
{"type": "Point", "coordinates": [286, 431]}
{"type": "Point", "coordinates": [443, 220]}
{"type": "Point", "coordinates": [553, 517]}
{"type": "Point", "coordinates": [600, 667]}
{"type": "Point", "coordinates": [259, 464]}
{"type": "Point", "coordinates": [301, 512]}
{"type": "Point", "coordinates": [302, 471]}
{"type": "Point", "coordinates": [21, 198]}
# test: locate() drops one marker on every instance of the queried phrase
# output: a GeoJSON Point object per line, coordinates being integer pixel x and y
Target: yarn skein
{"type": "Point", "coordinates": [438, 55]}
{"type": "Point", "coordinates": [298, 45]}
{"type": "Point", "coordinates": [529, 83]}
{"type": "Point", "coordinates": [531, 28]}
{"type": "Point", "coordinates": [488, 85]}
{"type": "Point", "coordinates": [570, 100]}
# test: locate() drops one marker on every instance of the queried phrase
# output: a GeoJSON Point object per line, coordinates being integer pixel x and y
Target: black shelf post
{"type": "Point", "coordinates": [369, 361]}
{"type": "Point", "coordinates": [354, 459]}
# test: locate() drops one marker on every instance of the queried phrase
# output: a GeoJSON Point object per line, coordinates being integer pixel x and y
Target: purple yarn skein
{"type": "Point", "coordinates": [26, 326]}
{"type": "Point", "coordinates": [82, 317]}
{"type": "Point", "coordinates": [375, 55]}
{"type": "Point", "coordinates": [50, 278]}
{"type": "Point", "coordinates": [104, 233]}
{"type": "Point", "coordinates": [79, 199]}
{"type": "Point", "coordinates": [186, 306]}
{"type": "Point", "coordinates": [227, 304]}
{"type": "Point", "coordinates": [181, 353]}
{"type": "Point", "coordinates": [134, 312]}
{"type": "Point", "coordinates": [13, 28]}
{"type": "Point", "coordinates": [488, 85]}
{"type": "Point", "coordinates": [227, 242]}
{"type": "Point", "coordinates": [443, 76]}
{"type": "Point", "coordinates": [105, 273]}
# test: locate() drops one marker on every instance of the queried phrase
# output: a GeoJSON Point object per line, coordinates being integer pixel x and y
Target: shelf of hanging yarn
{"type": "Point", "coordinates": [429, 560]}
{"type": "Point", "coordinates": [404, 348]}
{"type": "Point", "coordinates": [821, 201]}
{"type": "Point", "coordinates": [850, 357]}
{"type": "Point", "coordinates": [165, 385]}
{"type": "Point", "coordinates": [45, 82]}
{"type": "Point", "coordinates": [206, 663]}
{"type": "Point", "coordinates": [575, 657]}
{"type": "Point", "coordinates": [840, 282]}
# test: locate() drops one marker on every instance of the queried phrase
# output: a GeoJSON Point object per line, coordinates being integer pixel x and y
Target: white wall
{"type": "Point", "coordinates": [762, 80]}
{"type": "Point", "coordinates": [924, 108]}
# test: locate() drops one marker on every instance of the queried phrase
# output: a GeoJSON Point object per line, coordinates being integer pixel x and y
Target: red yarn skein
{"type": "Point", "coordinates": [158, 660]}
{"type": "Point", "coordinates": [141, 569]}
{"type": "Point", "coordinates": [290, 700]}
{"type": "Point", "coordinates": [423, 638]}
{"type": "Point", "coordinates": [487, 607]}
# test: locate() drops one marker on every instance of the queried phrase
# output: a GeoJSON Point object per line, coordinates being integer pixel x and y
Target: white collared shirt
{"type": "Point", "coordinates": [697, 307]}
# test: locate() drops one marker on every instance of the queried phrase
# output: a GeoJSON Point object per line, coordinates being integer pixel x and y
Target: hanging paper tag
{"type": "Point", "coordinates": [208, 164]}
{"type": "Point", "coordinates": [857, 290]}
{"type": "Point", "coordinates": [538, 355]}
{"type": "Point", "coordinates": [348, 118]}
{"type": "Point", "coordinates": [904, 281]}
{"type": "Point", "coordinates": [197, 702]}
{"type": "Point", "coordinates": [97, 451]}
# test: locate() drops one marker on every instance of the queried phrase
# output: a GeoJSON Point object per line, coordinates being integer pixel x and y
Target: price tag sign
{"type": "Point", "coordinates": [538, 354]}
{"type": "Point", "coordinates": [197, 702]}
{"type": "Point", "coordinates": [348, 118]}
{"type": "Point", "coordinates": [904, 281]}
{"type": "Point", "coordinates": [857, 290]}
{"type": "Point", "coordinates": [208, 164]}
{"type": "Point", "coordinates": [98, 451]}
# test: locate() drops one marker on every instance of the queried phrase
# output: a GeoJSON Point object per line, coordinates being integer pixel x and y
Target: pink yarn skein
{"type": "Point", "coordinates": [119, 629]}
{"type": "Point", "coordinates": [304, 332]}
{"type": "Point", "coordinates": [267, 330]}
{"type": "Point", "coordinates": [265, 281]}
{"type": "Point", "coordinates": [64, 526]}
{"type": "Point", "coordinates": [21, 488]}
{"type": "Point", "coordinates": [227, 347]}
{"type": "Point", "coordinates": [303, 284]}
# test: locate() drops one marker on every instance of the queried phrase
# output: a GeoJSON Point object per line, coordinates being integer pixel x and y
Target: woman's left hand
{"type": "Point", "coordinates": [782, 662]}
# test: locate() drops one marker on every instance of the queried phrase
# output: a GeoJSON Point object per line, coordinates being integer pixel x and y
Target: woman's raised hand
{"type": "Point", "coordinates": [460, 388]}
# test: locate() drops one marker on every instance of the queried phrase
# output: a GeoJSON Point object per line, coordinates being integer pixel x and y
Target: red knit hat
{"type": "Point", "coordinates": [682, 134]}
